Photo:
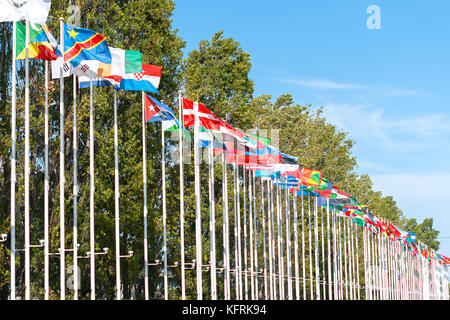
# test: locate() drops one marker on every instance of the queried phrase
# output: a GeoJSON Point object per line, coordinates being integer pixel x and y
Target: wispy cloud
{"type": "Point", "coordinates": [324, 84]}
{"type": "Point", "coordinates": [374, 124]}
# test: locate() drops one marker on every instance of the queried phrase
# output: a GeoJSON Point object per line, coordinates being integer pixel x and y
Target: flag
{"type": "Point", "coordinates": [206, 118]}
{"type": "Point", "coordinates": [84, 44]}
{"type": "Point", "coordinates": [174, 125]}
{"type": "Point", "coordinates": [84, 82]}
{"type": "Point", "coordinates": [35, 11]}
{"type": "Point", "coordinates": [42, 44]}
{"type": "Point", "coordinates": [148, 80]}
{"type": "Point", "coordinates": [156, 111]}
{"type": "Point", "coordinates": [122, 61]}
{"type": "Point", "coordinates": [56, 68]}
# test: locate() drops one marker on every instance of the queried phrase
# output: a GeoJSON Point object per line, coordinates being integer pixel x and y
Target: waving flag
{"type": "Point", "coordinates": [122, 62]}
{"type": "Point", "coordinates": [156, 111]}
{"type": "Point", "coordinates": [206, 118]}
{"type": "Point", "coordinates": [42, 44]}
{"type": "Point", "coordinates": [148, 80]}
{"type": "Point", "coordinates": [35, 11]}
{"type": "Point", "coordinates": [84, 44]}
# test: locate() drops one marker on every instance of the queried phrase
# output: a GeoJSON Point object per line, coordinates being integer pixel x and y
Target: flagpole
{"type": "Point", "coordinates": [91, 189]}
{"type": "Point", "coordinates": [288, 245]}
{"type": "Point", "coordinates": [264, 238]}
{"type": "Point", "coordinates": [239, 272]}
{"type": "Point", "coordinates": [27, 163]}
{"type": "Point", "coordinates": [279, 236]}
{"type": "Point", "coordinates": [13, 167]}
{"type": "Point", "coordinates": [46, 191]}
{"type": "Point", "coordinates": [270, 242]}
{"type": "Point", "coordinates": [316, 247]}
{"type": "Point", "coordinates": [357, 264]}
{"type": "Point", "coordinates": [61, 172]}
{"type": "Point", "coordinates": [236, 263]}
{"type": "Point", "coordinates": [344, 232]}
{"type": "Point", "coordinates": [226, 257]}
{"type": "Point", "coordinates": [212, 220]}
{"type": "Point", "coordinates": [297, 271]}
{"type": "Point", "coordinates": [163, 169]}
{"type": "Point", "coordinates": [198, 226]}
{"type": "Point", "coordinates": [255, 237]}
{"type": "Point", "coordinates": [180, 132]}
{"type": "Point", "coordinates": [75, 191]}
{"type": "Point", "coordinates": [245, 235]}
{"type": "Point", "coordinates": [323, 254]}
{"type": "Point", "coordinates": [250, 195]}
{"type": "Point", "coordinates": [116, 199]}
{"type": "Point", "coordinates": [303, 249]}
{"type": "Point", "coordinates": [144, 178]}
{"type": "Point", "coordinates": [310, 250]}
{"type": "Point", "coordinates": [330, 291]}
{"type": "Point", "coordinates": [273, 240]}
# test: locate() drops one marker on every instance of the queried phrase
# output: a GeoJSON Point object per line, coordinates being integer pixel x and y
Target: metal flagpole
{"type": "Point", "coordinates": [92, 190]}
{"type": "Point", "coordinates": [255, 234]}
{"type": "Point", "coordinates": [280, 249]}
{"type": "Point", "coordinates": [180, 146]}
{"type": "Point", "coordinates": [269, 229]}
{"type": "Point", "coordinates": [212, 221]}
{"type": "Point", "coordinates": [198, 225]}
{"type": "Point", "coordinates": [330, 291]}
{"type": "Point", "coordinates": [288, 245]}
{"type": "Point", "coordinates": [357, 264]}
{"type": "Point", "coordinates": [297, 284]}
{"type": "Point", "coordinates": [13, 167]}
{"type": "Point", "coordinates": [273, 240]}
{"type": "Point", "coordinates": [366, 273]}
{"type": "Point", "coordinates": [266, 295]}
{"type": "Point", "coordinates": [75, 192]}
{"type": "Point", "coordinates": [250, 195]}
{"type": "Point", "coordinates": [334, 235]}
{"type": "Point", "coordinates": [236, 263]}
{"type": "Point", "coordinates": [239, 270]}
{"type": "Point", "coordinates": [46, 191]}
{"type": "Point", "coordinates": [345, 241]}
{"type": "Point", "coordinates": [27, 163]}
{"type": "Point", "coordinates": [310, 250]}
{"type": "Point", "coordinates": [116, 199]}
{"type": "Point", "coordinates": [316, 248]}
{"type": "Point", "coordinates": [226, 256]}
{"type": "Point", "coordinates": [323, 256]}
{"type": "Point", "coordinates": [341, 283]}
{"type": "Point", "coordinates": [163, 169]}
{"type": "Point", "coordinates": [245, 235]}
{"type": "Point", "coordinates": [303, 250]}
{"type": "Point", "coordinates": [144, 180]}
{"type": "Point", "coordinates": [61, 173]}
{"type": "Point", "coordinates": [352, 254]}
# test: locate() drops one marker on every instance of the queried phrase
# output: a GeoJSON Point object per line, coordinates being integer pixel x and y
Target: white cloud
{"type": "Point", "coordinates": [324, 84]}
{"type": "Point", "coordinates": [374, 124]}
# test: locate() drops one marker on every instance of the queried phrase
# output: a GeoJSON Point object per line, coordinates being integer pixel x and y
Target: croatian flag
{"type": "Point", "coordinates": [148, 80]}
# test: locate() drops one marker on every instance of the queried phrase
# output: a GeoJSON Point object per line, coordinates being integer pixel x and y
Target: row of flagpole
{"type": "Point", "coordinates": [380, 281]}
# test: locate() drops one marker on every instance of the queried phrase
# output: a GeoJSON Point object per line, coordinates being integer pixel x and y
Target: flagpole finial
{"type": "Point", "coordinates": [61, 19]}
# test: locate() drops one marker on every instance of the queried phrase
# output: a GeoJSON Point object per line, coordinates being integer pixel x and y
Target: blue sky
{"type": "Point", "coordinates": [388, 88]}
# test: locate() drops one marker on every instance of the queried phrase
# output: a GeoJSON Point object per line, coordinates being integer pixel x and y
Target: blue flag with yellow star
{"type": "Point", "coordinates": [84, 44]}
